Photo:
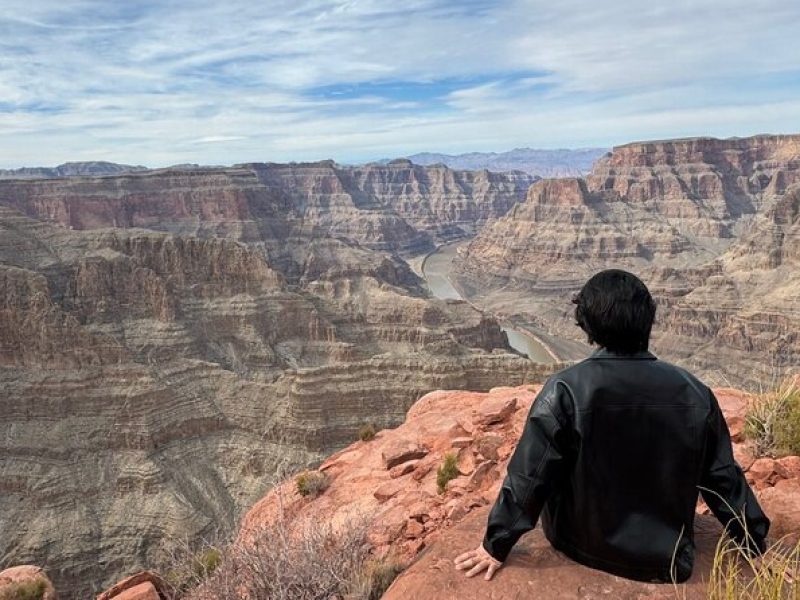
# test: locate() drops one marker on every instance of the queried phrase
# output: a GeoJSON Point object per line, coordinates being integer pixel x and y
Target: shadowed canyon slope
{"type": "Point", "coordinates": [167, 337]}
{"type": "Point", "coordinates": [711, 225]}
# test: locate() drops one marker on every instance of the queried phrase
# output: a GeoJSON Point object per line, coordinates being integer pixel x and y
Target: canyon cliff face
{"type": "Point", "coordinates": [396, 207]}
{"type": "Point", "coordinates": [710, 225]}
{"type": "Point", "coordinates": [167, 338]}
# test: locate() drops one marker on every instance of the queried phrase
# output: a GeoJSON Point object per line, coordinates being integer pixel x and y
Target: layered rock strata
{"type": "Point", "coordinates": [711, 226]}
{"type": "Point", "coordinates": [399, 206]}
{"type": "Point", "coordinates": [170, 340]}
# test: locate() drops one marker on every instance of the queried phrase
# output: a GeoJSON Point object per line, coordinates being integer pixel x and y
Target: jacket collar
{"type": "Point", "coordinates": [607, 354]}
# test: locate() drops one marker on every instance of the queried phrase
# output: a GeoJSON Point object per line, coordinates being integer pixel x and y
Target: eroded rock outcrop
{"type": "Point", "coordinates": [710, 225]}
{"type": "Point", "coordinates": [398, 501]}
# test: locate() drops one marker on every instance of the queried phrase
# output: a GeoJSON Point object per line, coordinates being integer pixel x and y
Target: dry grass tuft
{"type": "Point", "coordinates": [737, 576]}
{"type": "Point", "coordinates": [375, 579]}
{"type": "Point", "coordinates": [772, 423]}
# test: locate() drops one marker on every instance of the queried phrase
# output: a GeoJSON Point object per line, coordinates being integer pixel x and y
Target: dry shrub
{"type": "Point", "coordinates": [304, 561]}
{"type": "Point", "coordinates": [312, 483]}
{"type": "Point", "coordinates": [773, 421]}
{"type": "Point", "coordinates": [24, 590]}
{"type": "Point", "coordinates": [367, 432]}
{"type": "Point", "coordinates": [447, 471]}
{"type": "Point", "coordinates": [287, 559]}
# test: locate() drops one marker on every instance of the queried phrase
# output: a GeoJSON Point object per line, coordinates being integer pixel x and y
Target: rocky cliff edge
{"type": "Point", "coordinates": [389, 485]}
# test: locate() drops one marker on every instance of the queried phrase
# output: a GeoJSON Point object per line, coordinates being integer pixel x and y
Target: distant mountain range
{"type": "Point", "coordinates": [544, 163]}
{"type": "Point", "coordinates": [70, 169]}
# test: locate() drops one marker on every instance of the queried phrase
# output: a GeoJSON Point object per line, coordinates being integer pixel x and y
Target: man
{"type": "Point", "coordinates": [614, 452]}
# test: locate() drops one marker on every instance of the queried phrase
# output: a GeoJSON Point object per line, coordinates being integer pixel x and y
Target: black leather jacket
{"type": "Point", "coordinates": [613, 454]}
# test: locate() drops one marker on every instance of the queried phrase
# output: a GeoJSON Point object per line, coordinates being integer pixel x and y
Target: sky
{"type": "Point", "coordinates": [160, 82]}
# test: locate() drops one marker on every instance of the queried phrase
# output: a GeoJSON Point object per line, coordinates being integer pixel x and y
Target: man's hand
{"type": "Point", "coordinates": [476, 561]}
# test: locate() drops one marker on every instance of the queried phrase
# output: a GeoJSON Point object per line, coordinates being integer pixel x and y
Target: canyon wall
{"type": "Point", "coordinates": [396, 207]}
{"type": "Point", "coordinates": [171, 339]}
{"type": "Point", "coordinates": [710, 225]}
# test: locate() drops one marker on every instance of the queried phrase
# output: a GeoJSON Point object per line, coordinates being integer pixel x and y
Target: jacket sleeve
{"type": "Point", "coordinates": [532, 471]}
{"type": "Point", "coordinates": [725, 489]}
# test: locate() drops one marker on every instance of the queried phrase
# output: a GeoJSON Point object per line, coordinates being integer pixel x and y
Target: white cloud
{"type": "Point", "coordinates": [167, 81]}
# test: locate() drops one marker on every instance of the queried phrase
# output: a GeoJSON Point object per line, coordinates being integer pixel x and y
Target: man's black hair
{"type": "Point", "coordinates": [616, 311]}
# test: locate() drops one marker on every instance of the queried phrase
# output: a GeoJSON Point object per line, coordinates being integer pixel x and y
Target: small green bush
{"type": "Point", "coordinates": [312, 483]}
{"type": "Point", "coordinates": [206, 562]}
{"type": "Point", "coordinates": [24, 590]}
{"type": "Point", "coordinates": [447, 471]}
{"type": "Point", "coordinates": [193, 569]}
{"type": "Point", "coordinates": [772, 422]}
{"type": "Point", "coordinates": [367, 432]}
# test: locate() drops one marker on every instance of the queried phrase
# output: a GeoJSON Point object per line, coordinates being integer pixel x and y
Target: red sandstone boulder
{"type": "Point", "coordinates": [12, 578]}
{"type": "Point", "coordinates": [397, 452]}
{"type": "Point", "coordinates": [403, 469]}
{"type": "Point", "coordinates": [387, 491]}
{"type": "Point", "coordinates": [143, 591]}
{"type": "Point", "coordinates": [790, 466]}
{"type": "Point", "coordinates": [465, 461]}
{"type": "Point", "coordinates": [494, 410]}
{"type": "Point", "coordinates": [535, 570]}
{"type": "Point", "coordinates": [141, 586]}
{"type": "Point", "coordinates": [782, 505]}
{"type": "Point", "coordinates": [488, 446]}
{"type": "Point", "coordinates": [765, 472]}
{"type": "Point", "coordinates": [485, 473]}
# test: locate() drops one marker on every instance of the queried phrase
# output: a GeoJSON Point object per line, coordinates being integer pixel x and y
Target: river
{"type": "Point", "coordinates": [436, 268]}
